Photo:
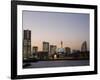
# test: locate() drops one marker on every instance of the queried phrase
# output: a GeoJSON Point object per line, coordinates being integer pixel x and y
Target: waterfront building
{"type": "Point", "coordinates": [84, 47]}
{"type": "Point", "coordinates": [26, 44]}
{"type": "Point", "coordinates": [34, 49]}
{"type": "Point", "coordinates": [53, 49]}
{"type": "Point", "coordinates": [61, 50]}
{"type": "Point", "coordinates": [67, 50]}
{"type": "Point", "coordinates": [42, 55]}
{"type": "Point", "coordinates": [46, 47]}
{"type": "Point", "coordinates": [84, 52]}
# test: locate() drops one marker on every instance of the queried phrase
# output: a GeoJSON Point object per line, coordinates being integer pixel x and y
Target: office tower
{"type": "Point", "coordinates": [34, 49]}
{"type": "Point", "coordinates": [67, 50]}
{"type": "Point", "coordinates": [26, 44]}
{"type": "Point", "coordinates": [84, 47]}
{"type": "Point", "coordinates": [53, 49]}
{"type": "Point", "coordinates": [46, 47]}
{"type": "Point", "coordinates": [84, 52]}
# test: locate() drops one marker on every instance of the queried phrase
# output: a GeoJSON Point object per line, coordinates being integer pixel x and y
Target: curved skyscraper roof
{"type": "Point", "coordinates": [84, 46]}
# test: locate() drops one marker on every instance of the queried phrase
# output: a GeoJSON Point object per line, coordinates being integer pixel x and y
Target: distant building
{"type": "Point", "coordinates": [42, 55]}
{"type": "Point", "coordinates": [53, 49]}
{"type": "Point", "coordinates": [84, 47]}
{"type": "Point", "coordinates": [46, 47]}
{"type": "Point", "coordinates": [61, 44]}
{"type": "Point", "coordinates": [26, 44]}
{"type": "Point", "coordinates": [61, 50]}
{"type": "Point", "coordinates": [85, 55]}
{"type": "Point", "coordinates": [76, 54]}
{"type": "Point", "coordinates": [67, 50]}
{"type": "Point", "coordinates": [84, 52]}
{"type": "Point", "coordinates": [75, 51]}
{"type": "Point", "coordinates": [34, 49]}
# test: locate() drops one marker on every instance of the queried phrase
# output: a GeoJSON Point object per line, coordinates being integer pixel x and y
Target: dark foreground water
{"type": "Point", "coordinates": [65, 63]}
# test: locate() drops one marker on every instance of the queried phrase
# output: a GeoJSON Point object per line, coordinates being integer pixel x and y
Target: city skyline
{"type": "Point", "coordinates": [71, 28]}
{"type": "Point", "coordinates": [63, 47]}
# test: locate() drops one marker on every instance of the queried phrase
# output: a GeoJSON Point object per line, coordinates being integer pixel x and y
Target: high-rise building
{"type": "Point", "coordinates": [84, 46]}
{"type": "Point", "coordinates": [46, 47]}
{"type": "Point", "coordinates": [53, 49]}
{"type": "Point", "coordinates": [26, 44]}
{"type": "Point", "coordinates": [34, 49]}
{"type": "Point", "coordinates": [67, 50]}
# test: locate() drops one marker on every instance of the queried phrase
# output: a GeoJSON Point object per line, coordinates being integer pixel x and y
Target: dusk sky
{"type": "Point", "coordinates": [54, 27]}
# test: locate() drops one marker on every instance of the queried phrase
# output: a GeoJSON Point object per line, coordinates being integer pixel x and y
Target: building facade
{"type": "Point", "coordinates": [46, 47]}
{"type": "Point", "coordinates": [26, 44]}
{"type": "Point", "coordinates": [53, 49]}
{"type": "Point", "coordinates": [67, 50]}
{"type": "Point", "coordinates": [42, 55]}
{"type": "Point", "coordinates": [84, 47]}
{"type": "Point", "coordinates": [34, 49]}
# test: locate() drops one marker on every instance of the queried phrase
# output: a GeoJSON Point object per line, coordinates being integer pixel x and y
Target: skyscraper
{"type": "Point", "coordinates": [46, 47]}
{"type": "Point", "coordinates": [26, 44]}
{"type": "Point", "coordinates": [35, 49]}
{"type": "Point", "coordinates": [53, 49]}
{"type": "Point", "coordinates": [84, 46]}
{"type": "Point", "coordinates": [67, 50]}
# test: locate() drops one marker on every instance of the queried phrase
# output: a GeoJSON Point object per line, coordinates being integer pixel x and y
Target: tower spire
{"type": "Point", "coordinates": [61, 44]}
